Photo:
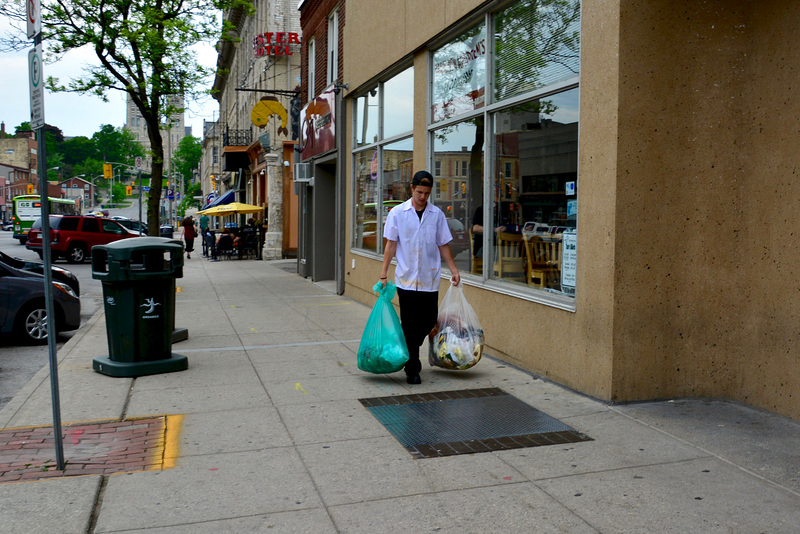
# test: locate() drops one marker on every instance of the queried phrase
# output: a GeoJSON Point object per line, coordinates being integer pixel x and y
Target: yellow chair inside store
{"type": "Point", "coordinates": [476, 264]}
{"type": "Point", "coordinates": [509, 262]}
{"type": "Point", "coordinates": [544, 262]}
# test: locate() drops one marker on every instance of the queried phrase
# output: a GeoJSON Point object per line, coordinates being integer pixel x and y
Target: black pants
{"type": "Point", "coordinates": [418, 313]}
{"type": "Point", "coordinates": [205, 242]}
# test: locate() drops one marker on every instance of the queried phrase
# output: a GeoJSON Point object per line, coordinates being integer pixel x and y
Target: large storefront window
{"type": "Point", "coordinates": [383, 156]}
{"type": "Point", "coordinates": [514, 218]}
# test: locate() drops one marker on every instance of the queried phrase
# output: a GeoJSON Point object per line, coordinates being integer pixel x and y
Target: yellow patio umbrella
{"type": "Point", "coordinates": [231, 209]}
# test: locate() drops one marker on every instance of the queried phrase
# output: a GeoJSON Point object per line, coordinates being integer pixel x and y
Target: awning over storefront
{"type": "Point", "coordinates": [227, 198]}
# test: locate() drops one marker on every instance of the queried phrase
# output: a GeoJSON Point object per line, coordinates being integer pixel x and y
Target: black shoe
{"type": "Point", "coordinates": [413, 379]}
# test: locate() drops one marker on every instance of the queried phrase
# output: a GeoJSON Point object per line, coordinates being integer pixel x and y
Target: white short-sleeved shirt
{"type": "Point", "coordinates": [419, 262]}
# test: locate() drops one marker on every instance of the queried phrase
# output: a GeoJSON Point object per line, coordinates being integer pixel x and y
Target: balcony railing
{"type": "Point", "coordinates": [236, 137]}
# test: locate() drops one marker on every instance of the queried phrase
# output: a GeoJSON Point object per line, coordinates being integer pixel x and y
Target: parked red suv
{"type": "Point", "coordinates": [73, 236]}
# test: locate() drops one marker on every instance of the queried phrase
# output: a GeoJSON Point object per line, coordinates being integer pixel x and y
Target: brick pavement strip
{"type": "Point", "coordinates": [90, 448]}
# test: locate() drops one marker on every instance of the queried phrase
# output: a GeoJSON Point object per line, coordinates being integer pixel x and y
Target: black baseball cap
{"type": "Point", "coordinates": [423, 178]}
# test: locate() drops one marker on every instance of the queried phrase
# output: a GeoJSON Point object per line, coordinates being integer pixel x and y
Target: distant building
{"type": "Point", "coordinates": [80, 189]}
{"type": "Point", "coordinates": [19, 157]}
{"type": "Point", "coordinates": [210, 168]}
{"type": "Point", "coordinates": [135, 123]}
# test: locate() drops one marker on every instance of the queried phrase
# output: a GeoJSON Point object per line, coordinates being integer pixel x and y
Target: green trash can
{"type": "Point", "coordinates": [138, 277]}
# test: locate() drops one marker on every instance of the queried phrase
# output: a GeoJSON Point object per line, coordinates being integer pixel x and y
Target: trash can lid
{"type": "Point", "coordinates": [137, 243]}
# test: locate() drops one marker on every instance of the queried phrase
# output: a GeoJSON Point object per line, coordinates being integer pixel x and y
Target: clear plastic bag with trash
{"type": "Point", "coordinates": [456, 342]}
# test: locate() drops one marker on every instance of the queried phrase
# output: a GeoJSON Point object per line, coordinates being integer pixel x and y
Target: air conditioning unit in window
{"type": "Point", "coordinates": [302, 173]}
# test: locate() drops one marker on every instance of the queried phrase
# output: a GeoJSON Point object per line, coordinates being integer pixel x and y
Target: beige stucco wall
{"type": "Point", "coordinates": [706, 279]}
{"type": "Point", "coordinates": [687, 277]}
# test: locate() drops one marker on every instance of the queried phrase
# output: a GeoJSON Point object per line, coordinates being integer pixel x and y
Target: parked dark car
{"type": "Point", "coordinates": [73, 236]}
{"type": "Point", "coordinates": [58, 274]}
{"type": "Point", "coordinates": [22, 305]}
{"type": "Point", "coordinates": [460, 240]}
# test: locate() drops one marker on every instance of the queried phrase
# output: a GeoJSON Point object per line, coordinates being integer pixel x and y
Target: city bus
{"type": "Point", "coordinates": [28, 208]}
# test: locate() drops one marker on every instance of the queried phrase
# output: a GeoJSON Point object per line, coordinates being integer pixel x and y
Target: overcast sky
{"type": "Point", "coordinates": [77, 114]}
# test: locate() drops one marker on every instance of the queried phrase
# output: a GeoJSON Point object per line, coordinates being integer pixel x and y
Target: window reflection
{"type": "Point", "coordinates": [398, 104]}
{"type": "Point", "coordinates": [366, 216]}
{"type": "Point", "coordinates": [535, 189]}
{"type": "Point", "coordinates": [536, 44]}
{"type": "Point", "coordinates": [458, 188]}
{"type": "Point", "coordinates": [459, 75]}
{"type": "Point", "coordinates": [367, 107]}
{"type": "Point", "coordinates": [383, 171]}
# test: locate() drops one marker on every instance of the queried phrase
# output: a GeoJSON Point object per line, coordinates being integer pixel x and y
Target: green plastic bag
{"type": "Point", "coordinates": [383, 346]}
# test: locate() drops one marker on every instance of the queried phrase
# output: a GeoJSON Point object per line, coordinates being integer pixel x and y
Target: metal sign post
{"type": "Point", "coordinates": [36, 80]}
{"type": "Point", "coordinates": [138, 165]}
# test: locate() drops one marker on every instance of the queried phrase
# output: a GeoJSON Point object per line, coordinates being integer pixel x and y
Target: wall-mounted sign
{"type": "Point", "coordinates": [318, 123]}
{"type": "Point", "coordinates": [275, 43]}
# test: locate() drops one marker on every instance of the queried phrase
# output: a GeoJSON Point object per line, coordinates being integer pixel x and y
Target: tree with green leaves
{"type": "Point", "coordinates": [185, 161]}
{"type": "Point", "coordinates": [186, 158]}
{"type": "Point", "coordinates": [144, 49]}
{"type": "Point", "coordinates": [116, 145]}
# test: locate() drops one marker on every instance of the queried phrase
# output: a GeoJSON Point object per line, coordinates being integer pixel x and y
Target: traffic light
{"type": "Point", "coordinates": [464, 188]}
{"type": "Point", "coordinates": [30, 189]}
{"type": "Point", "coordinates": [108, 171]}
{"type": "Point", "coordinates": [128, 190]}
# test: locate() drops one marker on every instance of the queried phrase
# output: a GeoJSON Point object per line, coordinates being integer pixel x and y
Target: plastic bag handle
{"type": "Point", "coordinates": [387, 291]}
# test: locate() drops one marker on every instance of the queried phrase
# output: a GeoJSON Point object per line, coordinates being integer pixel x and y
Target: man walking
{"type": "Point", "coordinates": [417, 233]}
{"type": "Point", "coordinates": [203, 231]}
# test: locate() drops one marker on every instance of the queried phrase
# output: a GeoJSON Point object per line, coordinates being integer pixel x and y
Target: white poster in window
{"type": "Point", "coordinates": [569, 256]}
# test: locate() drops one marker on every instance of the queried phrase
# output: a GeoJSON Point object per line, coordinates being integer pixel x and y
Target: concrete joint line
{"type": "Point", "coordinates": [718, 457]}
{"type": "Point", "coordinates": [97, 504]}
{"type": "Point", "coordinates": [273, 346]}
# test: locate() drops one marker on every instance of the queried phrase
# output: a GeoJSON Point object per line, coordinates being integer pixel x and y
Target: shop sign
{"type": "Point", "coordinates": [318, 125]}
{"type": "Point", "coordinates": [275, 43]}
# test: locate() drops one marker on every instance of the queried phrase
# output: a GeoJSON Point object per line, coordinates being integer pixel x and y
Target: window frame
{"type": "Point", "coordinates": [488, 110]}
{"type": "Point", "coordinates": [379, 146]}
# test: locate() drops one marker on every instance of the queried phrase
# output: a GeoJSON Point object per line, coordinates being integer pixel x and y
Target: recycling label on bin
{"type": "Point", "coordinates": [150, 307]}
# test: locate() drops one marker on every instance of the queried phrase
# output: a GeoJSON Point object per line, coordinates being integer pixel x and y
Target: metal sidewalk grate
{"type": "Point", "coordinates": [446, 423]}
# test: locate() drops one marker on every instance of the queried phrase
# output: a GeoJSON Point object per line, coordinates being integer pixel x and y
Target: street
{"type": "Point", "coordinates": [19, 362]}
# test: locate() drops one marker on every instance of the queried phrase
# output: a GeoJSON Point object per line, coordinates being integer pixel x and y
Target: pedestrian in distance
{"type": "Point", "coordinates": [203, 230]}
{"type": "Point", "coordinates": [417, 234]}
{"type": "Point", "coordinates": [188, 234]}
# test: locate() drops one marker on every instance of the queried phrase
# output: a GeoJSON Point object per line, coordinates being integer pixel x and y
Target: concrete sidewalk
{"type": "Point", "coordinates": [268, 435]}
